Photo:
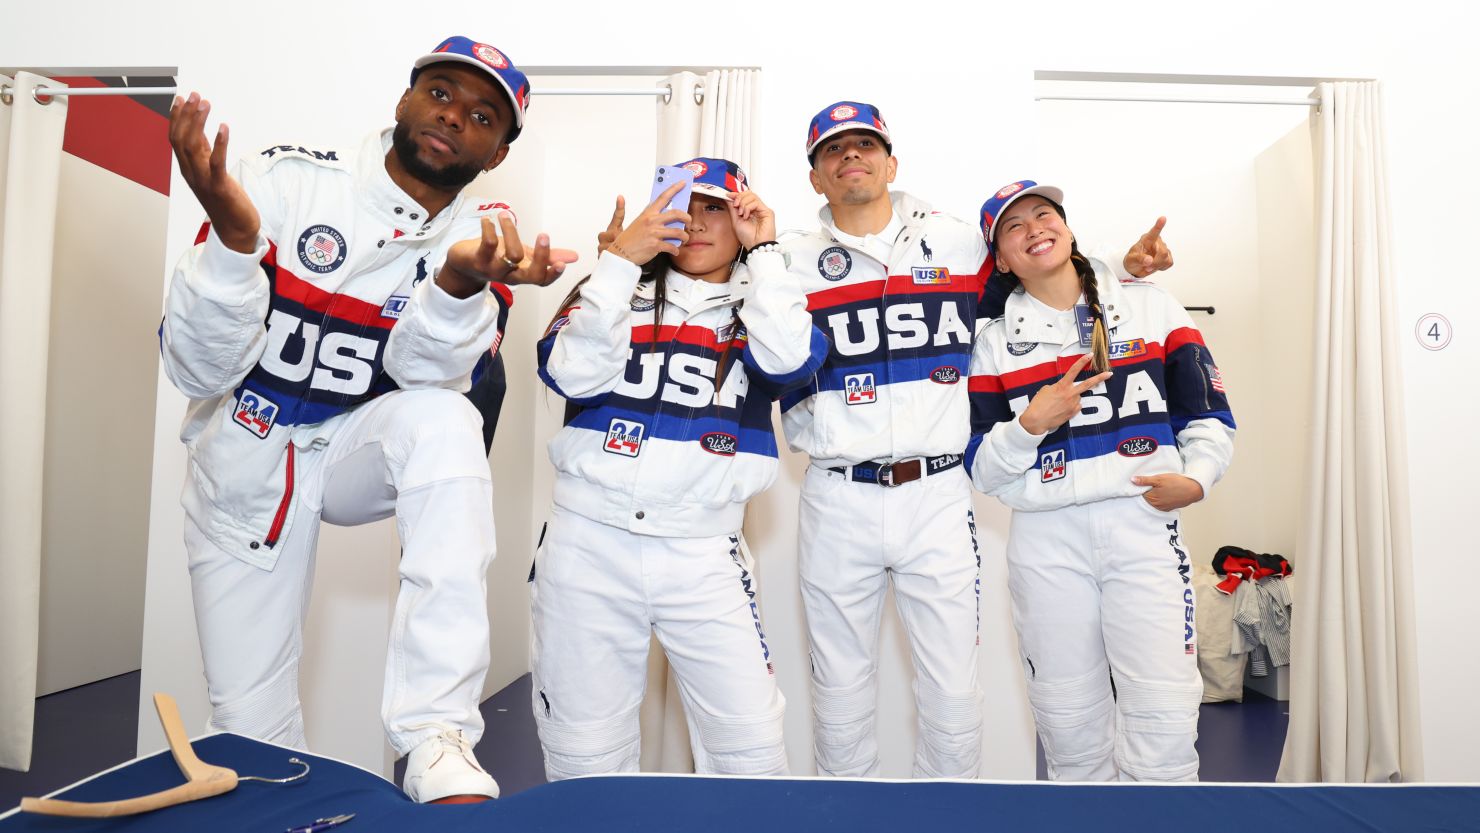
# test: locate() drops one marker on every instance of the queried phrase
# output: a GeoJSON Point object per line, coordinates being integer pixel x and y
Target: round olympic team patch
{"type": "Point", "coordinates": [321, 249]}
{"type": "Point", "coordinates": [843, 112]}
{"type": "Point", "coordinates": [835, 263]}
{"type": "Point", "coordinates": [490, 56]}
{"type": "Point", "coordinates": [1021, 348]}
{"type": "Point", "coordinates": [698, 168]}
{"type": "Point", "coordinates": [641, 304]}
{"type": "Point", "coordinates": [1009, 190]}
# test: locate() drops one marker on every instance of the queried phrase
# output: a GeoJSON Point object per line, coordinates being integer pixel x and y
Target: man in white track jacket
{"type": "Point", "coordinates": [334, 306]}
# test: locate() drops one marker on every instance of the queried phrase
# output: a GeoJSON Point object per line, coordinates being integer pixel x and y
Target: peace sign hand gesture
{"type": "Point", "coordinates": [203, 166]}
{"type": "Point", "coordinates": [1055, 404]}
{"type": "Point", "coordinates": [605, 239]}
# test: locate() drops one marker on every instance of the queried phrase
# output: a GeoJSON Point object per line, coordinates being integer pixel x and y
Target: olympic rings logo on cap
{"type": "Point", "coordinates": [490, 56]}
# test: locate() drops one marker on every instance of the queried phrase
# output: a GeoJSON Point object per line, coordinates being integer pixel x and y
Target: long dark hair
{"type": "Point", "coordinates": [1100, 340]}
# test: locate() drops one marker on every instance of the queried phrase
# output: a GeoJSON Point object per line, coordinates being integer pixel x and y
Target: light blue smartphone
{"type": "Point", "coordinates": [663, 179]}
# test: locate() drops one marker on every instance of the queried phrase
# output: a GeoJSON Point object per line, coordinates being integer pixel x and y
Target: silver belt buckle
{"type": "Point", "coordinates": [886, 474]}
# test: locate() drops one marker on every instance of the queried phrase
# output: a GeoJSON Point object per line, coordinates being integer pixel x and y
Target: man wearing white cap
{"type": "Point", "coordinates": [898, 289]}
{"type": "Point", "coordinates": [333, 307]}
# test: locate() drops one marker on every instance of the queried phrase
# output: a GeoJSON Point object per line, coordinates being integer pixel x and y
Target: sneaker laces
{"type": "Point", "coordinates": [453, 739]}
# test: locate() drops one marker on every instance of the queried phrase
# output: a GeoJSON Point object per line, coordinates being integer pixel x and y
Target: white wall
{"type": "Point", "coordinates": [950, 82]}
{"type": "Point", "coordinates": [100, 414]}
{"type": "Point", "coordinates": [1195, 164]}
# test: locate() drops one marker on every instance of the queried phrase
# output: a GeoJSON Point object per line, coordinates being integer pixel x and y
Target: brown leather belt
{"type": "Point", "coordinates": [900, 472]}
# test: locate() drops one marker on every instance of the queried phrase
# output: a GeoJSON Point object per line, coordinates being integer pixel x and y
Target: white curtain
{"type": "Point", "coordinates": [1354, 673]}
{"type": "Point", "coordinates": [30, 163]}
{"type": "Point", "coordinates": [722, 124]}
{"type": "Point", "coordinates": [713, 115]}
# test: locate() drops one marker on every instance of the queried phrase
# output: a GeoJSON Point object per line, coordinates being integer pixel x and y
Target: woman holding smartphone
{"type": "Point", "coordinates": [1096, 465]}
{"type": "Point", "coordinates": [670, 355]}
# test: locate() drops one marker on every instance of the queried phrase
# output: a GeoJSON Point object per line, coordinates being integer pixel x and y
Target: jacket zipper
{"type": "Point", "coordinates": [282, 510]}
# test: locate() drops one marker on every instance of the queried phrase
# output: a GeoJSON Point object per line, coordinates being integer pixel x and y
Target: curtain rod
{"type": "Point", "coordinates": [1304, 102]}
{"type": "Point", "coordinates": [53, 92]}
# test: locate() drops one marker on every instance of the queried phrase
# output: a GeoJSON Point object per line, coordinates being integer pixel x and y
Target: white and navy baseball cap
{"type": "Point", "coordinates": [1007, 195]}
{"type": "Point", "coordinates": [846, 115]}
{"type": "Point", "coordinates": [491, 61]}
{"type": "Point", "coordinates": [718, 178]}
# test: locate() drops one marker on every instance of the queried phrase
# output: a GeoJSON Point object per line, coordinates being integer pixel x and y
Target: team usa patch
{"type": "Point", "coordinates": [1138, 447]}
{"type": "Point", "coordinates": [394, 306]}
{"type": "Point", "coordinates": [835, 263]}
{"type": "Point", "coordinates": [725, 332]}
{"type": "Point", "coordinates": [1129, 349]}
{"type": "Point", "coordinates": [1053, 466]}
{"type": "Point", "coordinates": [624, 437]}
{"type": "Point", "coordinates": [930, 276]}
{"type": "Point", "coordinates": [1009, 190]}
{"type": "Point", "coordinates": [718, 442]}
{"type": "Point", "coordinates": [1021, 348]}
{"type": "Point", "coordinates": [945, 375]}
{"type": "Point", "coordinates": [843, 112]}
{"type": "Point", "coordinates": [255, 412]}
{"type": "Point", "coordinates": [697, 167]}
{"type": "Point", "coordinates": [490, 56]}
{"type": "Point", "coordinates": [859, 388]}
{"type": "Point", "coordinates": [321, 249]}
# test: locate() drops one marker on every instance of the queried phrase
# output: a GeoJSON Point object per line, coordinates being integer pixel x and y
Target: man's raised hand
{"type": "Point", "coordinates": [203, 165]}
{"type": "Point", "coordinates": [502, 258]}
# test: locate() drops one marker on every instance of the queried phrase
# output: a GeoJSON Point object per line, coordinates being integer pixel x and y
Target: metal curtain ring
{"type": "Point", "coordinates": [5, 95]}
{"type": "Point", "coordinates": [699, 93]}
{"type": "Point", "coordinates": [37, 95]}
{"type": "Point", "coordinates": [667, 93]}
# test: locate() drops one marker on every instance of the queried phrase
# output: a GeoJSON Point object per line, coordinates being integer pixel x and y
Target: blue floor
{"type": "Point", "coordinates": [93, 727]}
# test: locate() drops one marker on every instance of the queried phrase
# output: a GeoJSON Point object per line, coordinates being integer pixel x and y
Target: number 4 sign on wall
{"type": "Point", "coordinates": [1433, 331]}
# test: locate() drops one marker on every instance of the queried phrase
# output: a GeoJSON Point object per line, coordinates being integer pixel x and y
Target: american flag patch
{"type": "Point", "coordinates": [324, 244]}
{"type": "Point", "coordinates": [1216, 377]}
{"type": "Point", "coordinates": [1191, 649]}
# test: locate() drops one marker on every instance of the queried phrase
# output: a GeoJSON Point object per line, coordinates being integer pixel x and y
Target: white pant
{"type": "Point", "coordinates": [1099, 592]}
{"type": "Point", "coordinates": [599, 592]}
{"type": "Point", "coordinates": [854, 538]}
{"type": "Point", "coordinates": [418, 455]}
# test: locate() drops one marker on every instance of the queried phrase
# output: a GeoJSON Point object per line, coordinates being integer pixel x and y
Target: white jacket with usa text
{"type": "Point", "coordinates": [336, 305]}
{"type": "Point", "coordinates": [1164, 409]}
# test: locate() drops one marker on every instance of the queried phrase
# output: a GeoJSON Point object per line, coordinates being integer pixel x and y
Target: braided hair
{"type": "Point", "coordinates": [1099, 339]}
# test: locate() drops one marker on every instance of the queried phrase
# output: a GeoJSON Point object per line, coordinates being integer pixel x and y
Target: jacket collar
{"type": "Point", "coordinates": [1030, 322]}
{"type": "Point", "coordinates": [692, 296]}
{"type": "Point", "coordinates": [384, 199]}
{"type": "Point", "coordinates": [911, 211]}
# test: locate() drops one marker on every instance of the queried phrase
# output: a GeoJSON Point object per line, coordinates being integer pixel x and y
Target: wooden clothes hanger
{"type": "Point", "coordinates": [202, 780]}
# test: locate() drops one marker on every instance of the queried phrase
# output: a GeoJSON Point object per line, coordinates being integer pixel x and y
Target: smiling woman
{"type": "Point", "coordinates": [1096, 470]}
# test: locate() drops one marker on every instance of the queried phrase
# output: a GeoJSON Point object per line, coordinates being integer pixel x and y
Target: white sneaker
{"type": "Point", "coordinates": [442, 766]}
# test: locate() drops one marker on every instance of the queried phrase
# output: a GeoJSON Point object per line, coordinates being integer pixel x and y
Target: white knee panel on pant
{"type": "Point", "coordinates": [844, 729]}
{"type": "Point", "coordinates": [1076, 722]}
{"type": "Point", "coordinates": [1158, 730]}
{"type": "Point", "coordinates": [744, 744]}
{"type": "Point", "coordinates": [572, 750]}
{"type": "Point", "coordinates": [950, 732]}
{"type": "Point", "coordinates": [434, 435]}
{"type": "Point", "coordinates": [271, 713]}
